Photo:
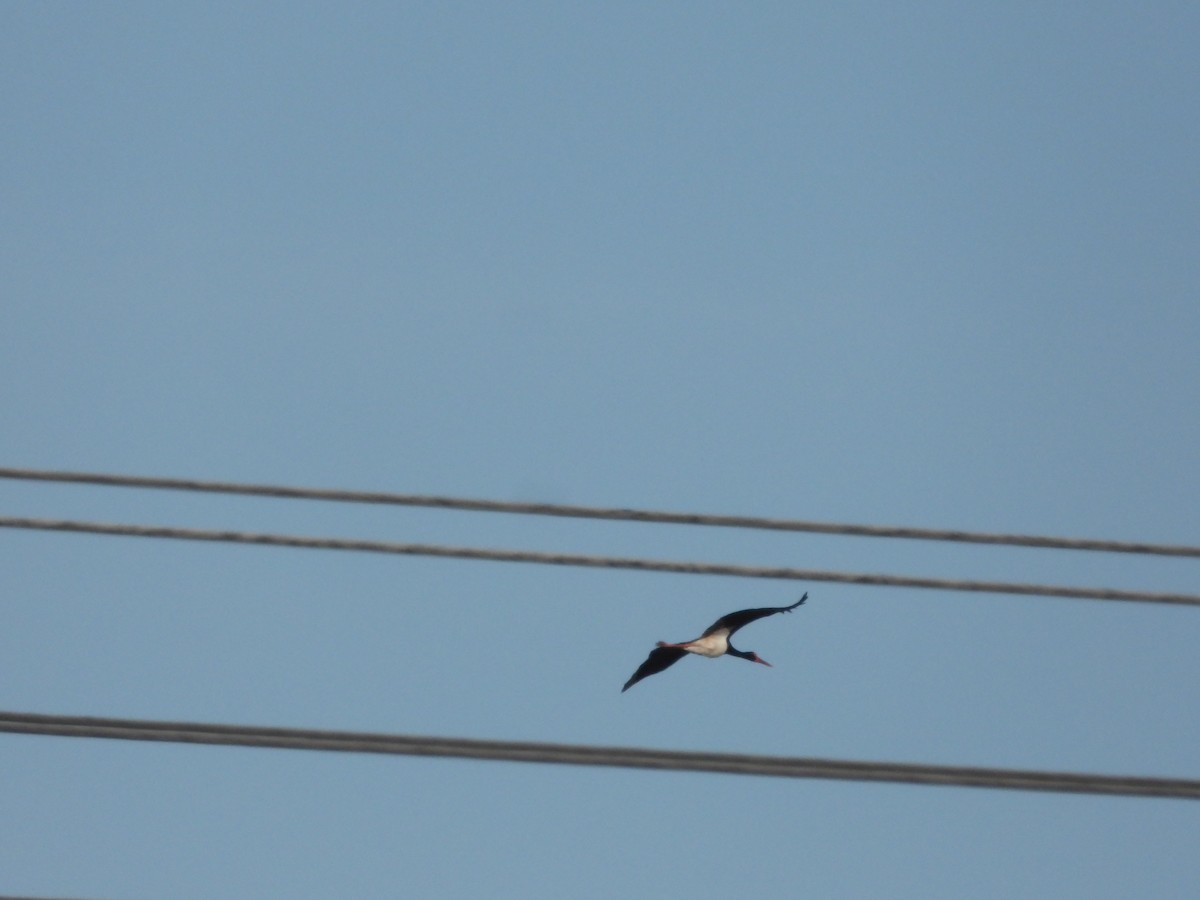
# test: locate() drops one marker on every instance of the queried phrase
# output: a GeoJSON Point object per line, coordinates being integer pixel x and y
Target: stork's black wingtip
{"type": "Point", "coordinates": [799, 602]}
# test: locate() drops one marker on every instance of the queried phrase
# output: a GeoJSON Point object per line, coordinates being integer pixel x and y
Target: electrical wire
{"type": "Point", "coordinates": [610, 562]}
{"type": "Point", "coordinates": [591, 755]}
{"type": "Point", "coordinates": [597, 512]}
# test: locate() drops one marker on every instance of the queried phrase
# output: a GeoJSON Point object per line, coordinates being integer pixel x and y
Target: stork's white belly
{"type": "Point", "coordinates": [711, 645]}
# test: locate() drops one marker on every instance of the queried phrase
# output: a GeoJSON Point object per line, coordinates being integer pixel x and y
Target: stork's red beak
{"type": "Point", "coordinates": [759, 659]}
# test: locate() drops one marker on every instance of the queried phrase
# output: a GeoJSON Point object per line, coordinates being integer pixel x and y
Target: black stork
{"type": "Point", "coordinates": [713, 643]}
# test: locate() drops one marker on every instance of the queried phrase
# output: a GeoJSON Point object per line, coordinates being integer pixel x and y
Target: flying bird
{"type": "Point", "coordinates": [713, 643]}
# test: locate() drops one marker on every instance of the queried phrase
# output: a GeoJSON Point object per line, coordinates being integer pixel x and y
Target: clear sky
{"type": "Point", "coordinates": [933, 264]}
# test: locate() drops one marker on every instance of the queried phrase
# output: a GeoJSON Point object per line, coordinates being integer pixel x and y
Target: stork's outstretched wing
{"type": "Point", "coordinates": [742, 617]}
{"type": "Point", "coordinates": [660, 658]}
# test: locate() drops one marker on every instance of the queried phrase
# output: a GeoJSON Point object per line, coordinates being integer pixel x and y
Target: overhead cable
{"type": "Point", "coordinates": [591, 755]}
{"type": "Point", "coordinates": [609, 562]}
{"type": "Point", "coordinates": [600, 512]}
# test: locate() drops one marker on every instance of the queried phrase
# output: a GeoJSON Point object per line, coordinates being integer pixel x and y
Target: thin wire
{"type": "Point", "coordinates": [608, 562]}
{"type": "Point", "coordinates": [591, 755]}
{"type": "Point", "coordinates": [598, 512]}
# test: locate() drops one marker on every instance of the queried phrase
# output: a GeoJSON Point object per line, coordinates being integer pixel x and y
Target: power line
{"type": "Point", "coordinates": [591, 755]}
{"type": "Point", "coordinates": [599, 512]}
{"type": "Point", "coordinates": [609, 562]}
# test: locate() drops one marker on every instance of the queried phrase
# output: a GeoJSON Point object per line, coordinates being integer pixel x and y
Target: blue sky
{"type": "Point", "coordinates": [920, 264]}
